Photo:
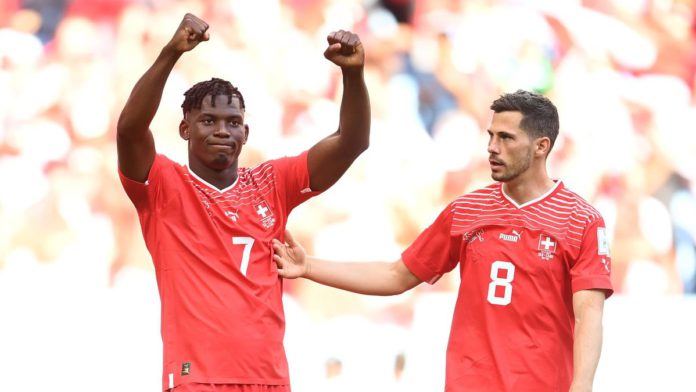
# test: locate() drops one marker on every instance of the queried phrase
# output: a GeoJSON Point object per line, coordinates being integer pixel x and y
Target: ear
{"type": "Point", "coordinates": [246, 133]}
{"type": "Point", "coordinates": [184, 130]}
{"type": "Point", "coordinates": [542, 146]}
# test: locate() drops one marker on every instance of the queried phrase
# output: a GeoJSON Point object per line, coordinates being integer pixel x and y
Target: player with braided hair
{"type": "Point", "coordinates": [209, 225]}
{"type": "Point", "coordinates": [213, 87]}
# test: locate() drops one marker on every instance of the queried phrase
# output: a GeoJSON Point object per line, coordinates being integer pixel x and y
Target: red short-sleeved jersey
{"type": "Point", "coordinates": [513, 322]}
{"type": "Point", "coordinates": [222, 315]}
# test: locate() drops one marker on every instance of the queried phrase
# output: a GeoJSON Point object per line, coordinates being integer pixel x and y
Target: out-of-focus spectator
{"type": "Point", "coordinates": [622, 74]}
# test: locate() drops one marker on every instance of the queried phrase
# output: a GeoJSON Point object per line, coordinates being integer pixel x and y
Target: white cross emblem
{"type": "Point", "coordinates": [546, 247]}
{"type": "Point", "coordinates": [547, 243]}
{"type": "Point", "coordinates": [261, 210]}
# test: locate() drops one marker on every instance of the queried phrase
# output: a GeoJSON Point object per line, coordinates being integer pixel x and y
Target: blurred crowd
{"type": "Point", "coordinates": [620, 72]}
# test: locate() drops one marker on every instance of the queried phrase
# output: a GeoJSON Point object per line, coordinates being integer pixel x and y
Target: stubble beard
{"type": "Point", "coordinates": [513, 171]}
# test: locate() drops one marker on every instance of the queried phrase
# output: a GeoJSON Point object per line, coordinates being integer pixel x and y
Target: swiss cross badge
{"type": "Point", "coordinates": [265, 214]}
{"type": "Point", "coordinates": [546, 247]}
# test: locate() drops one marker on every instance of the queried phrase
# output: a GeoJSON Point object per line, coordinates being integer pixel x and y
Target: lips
{"type": "Point", "coordinates": [232, 146]}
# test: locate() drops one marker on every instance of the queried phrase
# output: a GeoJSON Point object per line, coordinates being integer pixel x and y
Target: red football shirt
{"type": "Point", "coordinates": [222, 315]}
{"type": "Point", "coordinates": [512, 328]}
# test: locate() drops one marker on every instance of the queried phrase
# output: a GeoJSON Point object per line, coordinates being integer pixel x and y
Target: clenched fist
{"type": "Point", "coordinates": [345, 49]}
{"type": "Point", "coordinates": [191, 31]}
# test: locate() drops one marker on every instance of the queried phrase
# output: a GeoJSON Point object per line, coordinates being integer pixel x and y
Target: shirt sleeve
{"type": "Point", "coordinates": [435, 251]}
{"type": "Point", "coordinates": [292, 178]}
{"type": "Point", "coordinates": [592, 268]}
{"type": "Point", "coordinates": [141, 193]}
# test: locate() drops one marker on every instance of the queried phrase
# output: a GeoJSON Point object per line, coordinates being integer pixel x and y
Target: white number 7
{"type": "Point", "coordinates": [248, 242]}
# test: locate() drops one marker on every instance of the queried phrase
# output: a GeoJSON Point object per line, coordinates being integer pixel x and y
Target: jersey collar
{"type": "Point", "coordinates": [557, 185]}
{"type": "Point", "coordinates": [209, 185]}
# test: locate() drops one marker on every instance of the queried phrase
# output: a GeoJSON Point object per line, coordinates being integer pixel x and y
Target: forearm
{"type": "Point", "coordinates": [372, 278]}
{"type": "Point", "coordinates": [586, 348]}
{"type": "Point", "coordinates": [145, 97]}
{"type": "Point", "coordinates": [354, 120]}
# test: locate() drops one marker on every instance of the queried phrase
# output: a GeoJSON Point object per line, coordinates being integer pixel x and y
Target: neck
{"type": "Point", "coordinates": [524, 190]}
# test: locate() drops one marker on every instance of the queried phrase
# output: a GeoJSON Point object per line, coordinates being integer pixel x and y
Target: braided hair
{"type": "Point", "coordinates": [213, 87]}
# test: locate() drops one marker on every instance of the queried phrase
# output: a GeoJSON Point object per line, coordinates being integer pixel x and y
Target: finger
{"type": "Point", "coordinates": [353, 40]}
{"type": "Point", "coordinates": [340, 36]}
{"type": "Point", "coordinates": [196, 27]}
{"type": "Point", "coordinates": [346, 39]}
{"type": "Point", "coordinates": [290, 239]}
{"type": "Point", "coordinates": [278, 247]}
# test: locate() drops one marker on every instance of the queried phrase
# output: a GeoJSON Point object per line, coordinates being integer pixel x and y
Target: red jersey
{"type": "Point", "coordinates": [513, 322]}
{"type": "Point", "coordinates": [222, 315]}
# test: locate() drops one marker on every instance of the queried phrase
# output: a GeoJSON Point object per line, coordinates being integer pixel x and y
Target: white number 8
{"type": "Point", "coordinates": [497, 281]}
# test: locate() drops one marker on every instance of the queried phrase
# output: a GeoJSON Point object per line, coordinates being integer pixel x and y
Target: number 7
{"type": "Point", "coordinates": [248, 242]}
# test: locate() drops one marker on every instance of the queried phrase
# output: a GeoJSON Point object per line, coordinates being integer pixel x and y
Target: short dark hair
{"type": "Point", "coordinates": [193, 97]}
{"type": "Point", "coordinates": [539, 114]}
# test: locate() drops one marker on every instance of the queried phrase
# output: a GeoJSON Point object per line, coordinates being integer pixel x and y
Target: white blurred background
{"type": "Point", "coordinates": [79, 309]}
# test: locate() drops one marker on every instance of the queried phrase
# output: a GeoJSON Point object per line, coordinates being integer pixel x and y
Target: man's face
{"type": "Point", "coordinates": [215, 133]}
{"type": "Point", "coordinates": [510, 150]}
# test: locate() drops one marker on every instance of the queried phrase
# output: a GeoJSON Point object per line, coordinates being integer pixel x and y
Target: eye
{"type": "Point", "coordinates": [207, 121]}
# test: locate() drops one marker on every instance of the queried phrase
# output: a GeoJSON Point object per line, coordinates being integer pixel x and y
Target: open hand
{"type": "Point", "coordinates": [290, 257]}
{"type": "Point", "coordinates": [191, 31]}
{"type": "Point", "coordinates": [345, 49]}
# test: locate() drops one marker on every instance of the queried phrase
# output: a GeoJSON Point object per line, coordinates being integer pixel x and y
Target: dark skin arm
{"type": "Point", "coordinates": [134, 141]}
{"type": "Point", "coordinates": [333, 155]}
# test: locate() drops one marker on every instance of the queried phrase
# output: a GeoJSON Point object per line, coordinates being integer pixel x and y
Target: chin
{"type": "Point", "coordinates": [221, 161]}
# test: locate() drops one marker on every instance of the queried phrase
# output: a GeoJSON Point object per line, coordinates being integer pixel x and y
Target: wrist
{"type": "Point", "coordinates": [355, 71]}
{"type": "Point", "coordinates": [169, 52]}
{"type": "Point", "coordinates": [308, 268]}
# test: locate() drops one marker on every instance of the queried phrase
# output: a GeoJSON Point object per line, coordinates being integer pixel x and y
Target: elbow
{"type": "Point", "coordinates": [400, 289]}
{"type": "Point", "coordinates": [122, 126]}
{"type": "Point", "coordinates": [362, 144]}
{"type": "Point", "coordinates": [362, 147]}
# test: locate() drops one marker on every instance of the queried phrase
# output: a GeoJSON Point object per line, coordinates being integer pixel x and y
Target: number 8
{"type": "Point", "coordinates": [504, 282]}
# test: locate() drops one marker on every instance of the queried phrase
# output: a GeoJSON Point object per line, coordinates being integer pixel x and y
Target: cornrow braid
{"type": "Point", "coordinates": [213, 87]}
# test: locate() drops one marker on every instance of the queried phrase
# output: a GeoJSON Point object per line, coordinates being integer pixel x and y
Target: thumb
{"type": "Point", "coordinates": [334, 48]}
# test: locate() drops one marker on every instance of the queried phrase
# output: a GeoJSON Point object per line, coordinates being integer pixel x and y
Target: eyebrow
{"type": "Point", "coordinates": [213, 115]}
{"type": "Point", "coordinates": [500, 132]}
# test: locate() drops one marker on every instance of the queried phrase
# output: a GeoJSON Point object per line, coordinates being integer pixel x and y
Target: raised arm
{"type": "Point", "coordinates": [588, 306]}
{"type": "Point", "coordinates": [372, 278]}
{"type": "Point", "coordinates": [135, 144]}
{"type": "Point", "coordinates": [332, 156]}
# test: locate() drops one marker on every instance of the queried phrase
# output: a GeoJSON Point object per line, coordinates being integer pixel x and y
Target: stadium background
{"type": "Point", "coordinates": [79, 309]}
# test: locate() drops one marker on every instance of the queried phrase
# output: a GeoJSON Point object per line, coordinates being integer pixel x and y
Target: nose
{"type": "Point", "coordinates": [493, 146]}
{"type": "Point", "coordinates": [221, 130]}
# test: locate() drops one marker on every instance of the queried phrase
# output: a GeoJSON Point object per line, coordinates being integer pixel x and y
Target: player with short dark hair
{"type": "Point", "coordinates": [533, 261]}
{"type": "Point", "coordinates": [209, 225]}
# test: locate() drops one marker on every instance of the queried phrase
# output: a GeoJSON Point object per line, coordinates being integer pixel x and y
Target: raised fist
{"type": "Point", "coordinates": [345, 49]}
{"type": "Point", "coordinates": [191, 31]}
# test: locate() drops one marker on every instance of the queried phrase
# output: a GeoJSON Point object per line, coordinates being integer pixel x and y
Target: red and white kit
{"type": "Point", "coordinates": [512, 328]}
{"type": "Point", "coordinates": [222, 315]}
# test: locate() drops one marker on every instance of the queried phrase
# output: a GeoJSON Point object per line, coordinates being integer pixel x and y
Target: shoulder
{"type": "Point", "coordinates": [164, 167]}
{"type": "Point", "coordinates": [481, 196]}
{"type": "Point", "coordinates": [259, 174]}
{"type": "Point", "coordinates": [582, 209]}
